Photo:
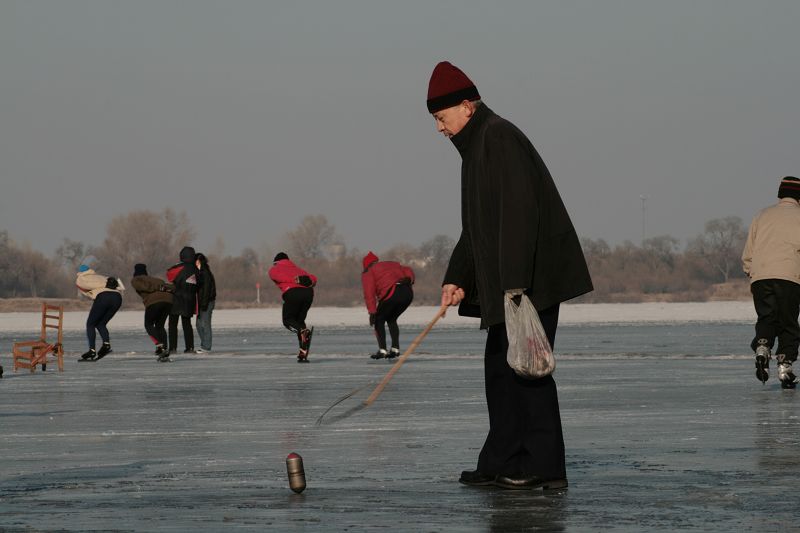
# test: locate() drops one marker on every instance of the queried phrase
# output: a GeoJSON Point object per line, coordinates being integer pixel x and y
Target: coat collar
{"type": "Point", "coordinates": [463, 138]}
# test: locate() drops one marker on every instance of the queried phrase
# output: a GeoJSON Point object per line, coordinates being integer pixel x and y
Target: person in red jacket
{"type": "Point", "coordinates": [297, 288]}
{"type": "Point", "coordinates": [387, 293]}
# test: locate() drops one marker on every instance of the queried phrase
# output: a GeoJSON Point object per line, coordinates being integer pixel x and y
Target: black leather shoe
{"type": "Point", "coordinates": [529, 482]}
{"type": "Point", "coordinates": [475, 478]}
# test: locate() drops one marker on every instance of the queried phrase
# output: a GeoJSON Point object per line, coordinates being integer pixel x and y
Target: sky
{"type": "Point", "coordinates": [250, 115]}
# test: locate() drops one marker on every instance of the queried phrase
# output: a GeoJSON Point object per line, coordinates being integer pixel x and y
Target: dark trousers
{"type": "Point", "coordinates": [105, 306]}
{"type": "Point", "coordinates": [389, 310]}
{"type": "Point", "coordinates": [524, 421]}
{"type": "Point", "coordinates": [188, 333]}
{"type": "Point", "coordinates": [155, 316]}
{"type": "Point", "coordinates": [777, 304]}
{"type": "Point", "coordinates": [296, 303]}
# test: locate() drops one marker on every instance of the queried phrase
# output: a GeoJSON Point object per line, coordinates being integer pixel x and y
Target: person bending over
{"type": "Point", "coordinates": [106, 293]}
{"type": "Point", "coordinates": [387, 293]}
{"type": "Point", "coordinates": [157, 298]}
{"type": "Point", "coordinates": [297, 292]}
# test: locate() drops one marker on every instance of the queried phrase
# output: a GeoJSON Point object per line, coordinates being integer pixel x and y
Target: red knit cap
{"type": "Point", "coordinates": [449, 86]}
{"type": "Point", "coordinates": [368, 260]}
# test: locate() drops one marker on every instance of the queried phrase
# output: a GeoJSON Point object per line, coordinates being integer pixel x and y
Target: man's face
{"type": "Point", "coordinates": [453, 119]}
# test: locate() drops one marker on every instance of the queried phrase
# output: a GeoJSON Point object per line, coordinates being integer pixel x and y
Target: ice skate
{"type": "Point", "coordinates": [380, 354]}
{"type": "Point", "coordinates": [104, 350]}
{"type": "Point", "coordinates": [88, 356]}
{"type": "Point", "coordinates": [785, 373]}
{"type": "Point", "coordinates": [302, 356]}
{"type": "Point", "coordinates": [762, 360]}
{"type": "Point", "coordinates": [164, 358]}
{"type": "Point", "coordinates": [305, 339]}
{"type": "Point", "coordinates": [394, 352]}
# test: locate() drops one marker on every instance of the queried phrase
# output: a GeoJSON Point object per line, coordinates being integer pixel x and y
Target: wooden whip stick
{"type": "Point", "coordinates": [399, 363]}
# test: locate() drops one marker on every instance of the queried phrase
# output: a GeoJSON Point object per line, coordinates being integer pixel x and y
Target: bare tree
{"type": "Point", "coordinates": [311, 237]}
{"type": "Point", "coordinates": [721, 244]}
{"type": "Point", "coordinates": [218, 249]}
{"type": "Point", "coordinates": [26, 272]}
{"type": "Point", "coordinates": [402, 253]}
{"type": "Point", "coordinates": [143, 237]}
{"type": "Point", "coordinates": [71, 254]}
{"type": "Point", "coordinates": [595, 248]}
{"type": "Point", "coordinates": [662, 248]}
{"type": "Point", "coordinates": [437, 250]}
{"type": "Point", "coordinates": [249, 257]}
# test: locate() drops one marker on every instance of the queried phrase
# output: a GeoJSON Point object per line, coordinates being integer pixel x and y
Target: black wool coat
{"type": "Point", "coordinates": [207, 288]}
{"type": "Point", "coordinates": [184, 278]}
{"type": "Point", "coordinates": [516, 233]}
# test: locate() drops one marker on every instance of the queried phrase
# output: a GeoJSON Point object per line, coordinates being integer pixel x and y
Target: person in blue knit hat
{"type": "Point", "coordinates": [106, 293]}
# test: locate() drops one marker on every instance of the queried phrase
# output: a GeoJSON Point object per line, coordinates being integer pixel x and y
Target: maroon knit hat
{"type": "Point", "coordinates": [789, 188]}
{"type": "Point", "coordinates": [449, 86]}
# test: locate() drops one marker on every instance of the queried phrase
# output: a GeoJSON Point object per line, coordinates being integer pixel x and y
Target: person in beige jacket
{"type": "Point", "coordinates": [771, 259]}
{"type": "Point", "coordinates": [107, 296]}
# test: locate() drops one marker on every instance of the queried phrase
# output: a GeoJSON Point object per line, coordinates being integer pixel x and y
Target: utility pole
{"type": "Point", "coordinates": [644, 216]}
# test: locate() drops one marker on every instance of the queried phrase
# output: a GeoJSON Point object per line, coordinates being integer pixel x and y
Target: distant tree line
{"type": "Point", "coordinates": [656, 269]}
{"type": "Point", "coordinates": [659, 269]}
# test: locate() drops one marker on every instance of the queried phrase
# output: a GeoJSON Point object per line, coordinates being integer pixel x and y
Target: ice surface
{"type": "Point", "coordinates": [653, 442]}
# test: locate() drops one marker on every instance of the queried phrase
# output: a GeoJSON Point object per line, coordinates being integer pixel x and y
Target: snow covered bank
{"type": "Point", "coordinates": [356, 316]}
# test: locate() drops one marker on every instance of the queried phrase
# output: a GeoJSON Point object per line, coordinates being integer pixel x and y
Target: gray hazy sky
{"type": "Point", "coordinates": [250, 115]}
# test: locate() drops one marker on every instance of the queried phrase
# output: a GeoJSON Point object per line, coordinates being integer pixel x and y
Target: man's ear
{"type": "Point", "coordinates": [469, 108]}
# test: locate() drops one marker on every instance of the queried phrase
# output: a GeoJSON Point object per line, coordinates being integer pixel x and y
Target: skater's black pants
{"type": "Point", "coordinates": [105, 306]}
{"type": "Point", "coordinates": [296, 303]}
{"type": "Point", "coordinates": [525, 436]}
{"type": "Point", "coordinates": [188, 332]}
{"type": "Point", "coordinates": [777, 304]}
{"type": "Point", "coordinates": [155, 316]}
{"type": "Point", "coordinates": [389, 310]}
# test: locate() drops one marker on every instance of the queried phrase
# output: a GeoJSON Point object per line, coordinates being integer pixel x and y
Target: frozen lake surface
{"type": "Point", "coordinates": [666, 428]}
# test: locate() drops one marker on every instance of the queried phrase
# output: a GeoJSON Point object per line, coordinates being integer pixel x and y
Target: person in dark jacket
{"type": "Point", "coordinates": [387, 293]}
{"type": "Point", "coordinates": [157, 298]}
{"type": "Point", "coordinates": [206, 299]}
{"type": "Point", "coordinates": [183, 277]}
{"type": "Point", "coordinates": [516, 238]}
{"type": "Point", "coordinates": [297, 292]}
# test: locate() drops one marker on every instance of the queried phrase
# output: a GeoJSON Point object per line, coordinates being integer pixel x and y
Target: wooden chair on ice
{"type": "Point", "coordinates": [28, 354]}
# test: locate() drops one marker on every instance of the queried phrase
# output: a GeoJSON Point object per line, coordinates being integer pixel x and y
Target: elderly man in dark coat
{"type": "Point", "coordinates": [516, 237]}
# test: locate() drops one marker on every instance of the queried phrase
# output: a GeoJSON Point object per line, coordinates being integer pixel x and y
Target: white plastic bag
{"type": "Point", "coordinates": [529, 351]}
